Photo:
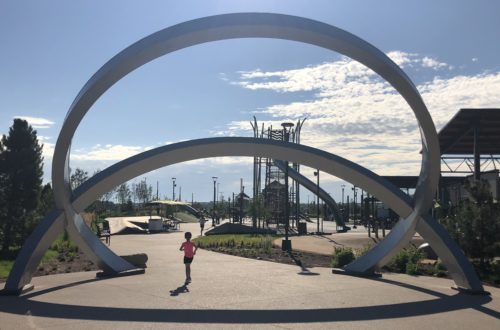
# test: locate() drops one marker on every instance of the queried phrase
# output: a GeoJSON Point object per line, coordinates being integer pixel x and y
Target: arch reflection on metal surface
{"type": "Point", "coordinates": [249, 25]}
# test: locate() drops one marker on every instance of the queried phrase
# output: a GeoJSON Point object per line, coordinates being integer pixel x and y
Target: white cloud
{"type": "Point", "coordinates": [223, 77]}
{"type": "Point", "coordinates": [402, 58]}
{"type": "Point", "coordinates": [350, 112]}
{"type": "Point", "coordinates": [48, 147]}
{"type": "Point", "coordinates": [444, 97]}
{"type": "Point", "coordinates": [428, 62]}
{"type": "Point", "coordinates": [106, 153]}
{"type": "Point", "coordinates": [221, 161]}
{"type": "Point", "coordinates": [475, 59]}
{"type": "Point", "coordinates": [99, 155]}
{"type": "Point", "coordinates": [37, 122]}
{"type": "Point", "coordinates": [355, 114]}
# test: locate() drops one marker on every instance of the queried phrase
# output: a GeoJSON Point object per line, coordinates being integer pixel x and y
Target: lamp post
{"type": "Point", "coordinates": [286, 244]}
{"type": "Point", "coordinates": [354, 189]}
{"type": "Point", "coordinates": [173, 188]}
{"type": "Point", "coordinates": [316, 174]}
{"type": "Point", "coordinates": [215, 196]}
{"type": "Point", "coordinates": [343, 206]}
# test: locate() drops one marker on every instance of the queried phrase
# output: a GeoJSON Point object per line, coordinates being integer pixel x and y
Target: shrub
{"type": "Point", "coordinates": [403, 258]}
{"type": "Point", "coordinates": [362, 251]}
{"type": "Point", "coordinates": [62, 245]}
{"type": "Point", "coordinates": [342, 256]}
{"type": "Point", "coordinates": [412, 268]}
{"type": "Point", "coordinates": [399, 261]}
{"type": "Point", "coordinates": [440, 266]}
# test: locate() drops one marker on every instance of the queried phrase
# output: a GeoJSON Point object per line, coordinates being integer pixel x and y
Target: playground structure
{"type": "Point", "coordinates": [414, 211]}
{"type": "Point", "coordinates": [272, 198]}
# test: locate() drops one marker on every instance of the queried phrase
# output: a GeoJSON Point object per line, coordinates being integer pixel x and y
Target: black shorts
{"type": "Point", "coordinates": [188, 260]}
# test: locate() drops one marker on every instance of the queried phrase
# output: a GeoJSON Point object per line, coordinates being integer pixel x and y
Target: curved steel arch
{"type": "Point", "coordinates": [246, 25]}
{"type": "Point", "coordinates": [462, 272]}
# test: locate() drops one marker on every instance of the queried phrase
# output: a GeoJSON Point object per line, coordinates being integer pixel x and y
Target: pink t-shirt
{"type": "Point", "coordinates": [188, 249]}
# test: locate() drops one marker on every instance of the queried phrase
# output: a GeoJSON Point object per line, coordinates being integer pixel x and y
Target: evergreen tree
{"type": "Point", "coordinates": [475, 224]}
{"type": "Point", "coordinates": [21, 173]}
{"type": "Point", "coordinates": [46, 200]}
{"type": "Point", "coordinates": [3, 188]}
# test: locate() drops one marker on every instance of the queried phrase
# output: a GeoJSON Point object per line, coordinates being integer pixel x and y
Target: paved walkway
{"type": "Point", "coordinates": [229, 292]}
{"type": "Point", "coordinates": [356, 238]}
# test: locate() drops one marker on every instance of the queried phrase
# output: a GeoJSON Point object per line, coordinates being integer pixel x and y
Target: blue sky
{"type": "Point", "coordinates": [49, 49]}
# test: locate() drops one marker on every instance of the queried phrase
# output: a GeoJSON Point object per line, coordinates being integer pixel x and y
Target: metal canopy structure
{"type": "Point", "coordinates": [165, 202]}
{"type": "Point", "coordinates": [473, 132]}
{"type": "Point", "coordinates": [410, 182]}
{"type": "Point", "coordinates": [470, 128]}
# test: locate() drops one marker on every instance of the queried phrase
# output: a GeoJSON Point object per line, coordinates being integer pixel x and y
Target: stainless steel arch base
{"type": "Point", "coordinates": [460, 269]}
{"type": "Point", "coordinates": [244, 25]}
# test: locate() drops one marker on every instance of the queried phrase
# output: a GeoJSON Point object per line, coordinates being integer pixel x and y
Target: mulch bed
{"type": "Point", "coordinates": [304, 259]}
{"type": "Point", "coordinates": [66, 263]}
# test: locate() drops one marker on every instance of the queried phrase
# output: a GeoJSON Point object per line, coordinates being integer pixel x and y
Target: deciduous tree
{"type": "Point", "coordinates": [78, 177]}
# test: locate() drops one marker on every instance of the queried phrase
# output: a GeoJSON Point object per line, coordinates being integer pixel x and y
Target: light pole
{"type": "Point", "coordinates": [286, 244]}
{"type": "Point", "coordinates": [215, 196]}
{"type": "Point", "coordinates": [354, 189]}
{"type": "Point", "coordinates": [343, 206]}
{"type": "Point", "coordinates": [316, 174]}
{"type": "Point", "coordinates": [173, 188]}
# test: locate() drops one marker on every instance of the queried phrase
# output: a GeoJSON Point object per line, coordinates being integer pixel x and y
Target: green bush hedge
{"type": "Point", "coordinates": [406, 261]}
{"type": "Point", "coordinates": [342, 256]}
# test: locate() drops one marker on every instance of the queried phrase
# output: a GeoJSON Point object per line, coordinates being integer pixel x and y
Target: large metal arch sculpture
{"type": "Point", "coordinates": [245, 25]}
{"type": "Point", "coordinates": [33, 250]}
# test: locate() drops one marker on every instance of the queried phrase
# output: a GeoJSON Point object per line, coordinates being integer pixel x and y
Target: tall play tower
{"type": "Point", "coordinates": [270, 200]}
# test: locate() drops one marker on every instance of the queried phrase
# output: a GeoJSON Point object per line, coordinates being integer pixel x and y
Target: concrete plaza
{"type": "Point", "coordinates": [229, 292]}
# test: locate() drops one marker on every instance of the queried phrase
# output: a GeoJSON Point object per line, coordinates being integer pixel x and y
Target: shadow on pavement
{"type": "Point", "coordinates": [298, 262]}
{"type": "Point", "coordinates": [182, 289]}
{"type": "Point", "coordinates": [442, 304]}
{"type": "Point", "coordinates": [479, 308]}
{"type": "Point", "coordinates": [59, 287]}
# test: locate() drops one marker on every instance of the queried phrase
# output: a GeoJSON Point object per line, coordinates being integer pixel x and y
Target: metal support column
{"type": "Point", "coordinates": [477, 154]}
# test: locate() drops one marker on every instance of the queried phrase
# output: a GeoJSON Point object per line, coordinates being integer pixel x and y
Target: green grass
{"type": "Point", "coordinates": [49, 255]}
{"type": "Point", "coordinates": [5, 267]}
{"type": "Point", "coordinates": [243, 241]}
{"type": "Point", "coordinates": [58, 246]}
